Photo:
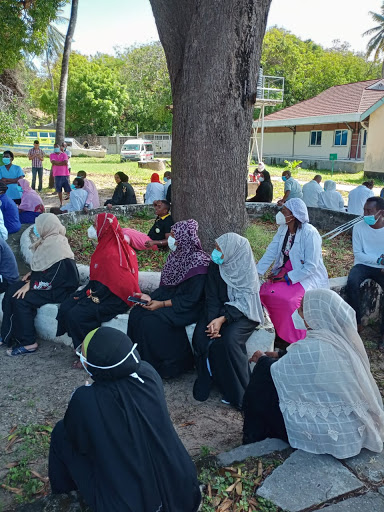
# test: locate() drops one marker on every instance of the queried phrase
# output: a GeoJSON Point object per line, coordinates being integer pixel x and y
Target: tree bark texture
{"type": "Point", "coordinates": [213, 50]}
{"type": "Point", "coordinates": [62, 96]}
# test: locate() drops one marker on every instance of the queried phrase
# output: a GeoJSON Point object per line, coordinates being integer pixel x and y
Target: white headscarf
{"type": "Point", "coordinates": [239, 272]}
{"type": "Point", "coordinates": [298, 208]}
{"type": "Point", "coordinates": [328, 397]}
{"type": "Point", "coordinates": [330, 199]}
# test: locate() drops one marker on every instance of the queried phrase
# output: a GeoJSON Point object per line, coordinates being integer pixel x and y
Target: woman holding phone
{"type": "Point", "coordinates": [295, 253]}
{"type": "Point", "coordinates": [114, 277]}
{"type": "Point", "coordinates": [158, 327]}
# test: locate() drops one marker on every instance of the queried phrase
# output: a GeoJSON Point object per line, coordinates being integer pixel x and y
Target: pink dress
{"type": "Point", "coordinates": [137, 240]}
{"type": "Point", "coordinates": [281, 300]}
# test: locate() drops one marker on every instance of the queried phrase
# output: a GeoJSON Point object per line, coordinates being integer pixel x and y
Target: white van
{"type": "Point", "coordinates": [137, 150]}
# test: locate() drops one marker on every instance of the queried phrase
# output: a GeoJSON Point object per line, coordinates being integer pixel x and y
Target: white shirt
{"type": "Point", "coordinates": [357, 199]}
{"type": "Point", "coordinates": [305, 256]}
{"type": "Point", "coordinates": [77, 200]}
{"type": "Point", "coordinates": [311, 192]}
{"type": "Point", "coordinates": [3, 229]}
{"type": "Point", "coordinates": [166, 186]}
{"type": "Point", "coordinates": [155, 192]}
{"type": "Point", "coordinates": [367, 244]}
{"type": "Point", "coordinates": [331, 200]}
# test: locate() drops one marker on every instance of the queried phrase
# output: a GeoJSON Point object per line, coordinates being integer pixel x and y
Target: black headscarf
{"type": "Point", "coordinates": [122, 425]}
{"type": "Point", "coordinates": [264, 192]}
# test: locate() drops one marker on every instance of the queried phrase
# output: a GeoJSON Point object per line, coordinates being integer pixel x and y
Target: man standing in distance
{"type": "Point", "coordinates": [37, 156]}
{"type": "Point", "coordinates": [60, 171]}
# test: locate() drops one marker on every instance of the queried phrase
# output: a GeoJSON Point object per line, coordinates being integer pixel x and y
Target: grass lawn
{"type": "Point", "coordinates": [337, 253]}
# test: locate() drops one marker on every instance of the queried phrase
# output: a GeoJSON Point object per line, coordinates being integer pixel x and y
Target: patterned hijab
{"type": "Point", "coordinates": [189, 259]}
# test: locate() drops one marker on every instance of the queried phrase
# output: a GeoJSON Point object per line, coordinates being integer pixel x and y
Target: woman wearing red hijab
{"type": "Point", "coordinates": [155, 190]}
{"type": "Point", "coordinates": [114, 276]}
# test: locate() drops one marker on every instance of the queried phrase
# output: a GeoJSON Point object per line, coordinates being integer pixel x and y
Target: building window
{"type": "Point", "coordinates": [365, 138]}
{"type": "Point", "coordinates": [341, 137]}
{"type": "Point", "coordinates": [315, 138]}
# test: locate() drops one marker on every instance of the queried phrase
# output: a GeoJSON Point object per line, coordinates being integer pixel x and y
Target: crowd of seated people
{"type": "Point", "coordinates": [318, 358]}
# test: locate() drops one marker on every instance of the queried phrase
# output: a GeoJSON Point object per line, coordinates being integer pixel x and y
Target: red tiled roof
{"type": "Point", "coordinates": [337, 100]}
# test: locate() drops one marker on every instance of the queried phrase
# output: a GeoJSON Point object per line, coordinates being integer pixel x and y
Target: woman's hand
{"type": "Point", "coordinates": [26, 277]}
{"type": "Point", "coordinates": [153, 305]}
{"type": "Point", "coordinates": [256, 356]}
{"type": "Point", "coordinates": [20, 294]}
{"type": "Point", "coordinates": [274, 355]}
{"type": "Point", "coordinates": [143, 296]}
{"type": "Point", "coordinates": [213, 328]}
{"type": "Point", "coordinates": [149, 243]}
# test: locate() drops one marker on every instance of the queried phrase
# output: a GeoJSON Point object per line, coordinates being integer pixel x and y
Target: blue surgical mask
{"type": "Point", "coordinates": [6, 160]}
{"type": "Point", "coordinates": [73, 187]}
{"type": "Point", "coordinates": [284, 178]}
{"type": "Point", "coordinates": [172, 243]}
{"type": "Point", "coordinates": [56, 150]}
{"type": "Point", "coordinates": [298, 321]}
{"type": "Point", "coordinates": [165, 179]}
{"type": "Point", "coordinates": [370, 220]}
{"type": "Point", "coordinates": [35, 231]}
{"type": "Point", "coordinates": [217, 257]}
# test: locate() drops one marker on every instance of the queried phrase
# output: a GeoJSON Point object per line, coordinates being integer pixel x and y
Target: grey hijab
{"type": "Point", "coordinates": [239, 272]}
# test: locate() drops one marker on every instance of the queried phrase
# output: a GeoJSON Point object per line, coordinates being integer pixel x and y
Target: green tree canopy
{"type": "Point", "coordinates": [95, 99]}
{"type": "Point", "coordinates": [24, 28]}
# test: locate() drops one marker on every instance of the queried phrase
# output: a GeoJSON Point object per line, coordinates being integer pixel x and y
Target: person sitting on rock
{"type": "Point", "coordinates": [31, 205]}
{"type": "Point", "coordinates": [331, 199]}
{"type": "Point", "coordinates": [155, 190]}
{"type": "Point", "coordinates": [158, 234]}
{"type": "Point", "coordinates": [292, 188]}
{"type": "Point", "coordinates": [105, 295]}
{"type": "Point", "coordinates": [117, 445]}
{"type": "Point", "coordinates": [368, 249]}
{"type": "Point", "coordinates": [264, 192]}
{"type": "Point", "coordinates": [358, 197]}
{"type": "Point", "coordinates": [93, 195]}
{"type": "Point", "coordinates": [78, 199]}
{"type": "Point", "coordinates": [158, 327]}
{"type": "Point", "coordinates": [232, 312]}
{"type": "Point", "coordinates": [9, 273]}
{"type": "Point", "coordinates": [124, 192]}
{"type": "Point", "coordinates": [320, 395]}
{"type": "Point", "coordinates": [52, 278]}
{"type": "Point", "coordinates": [9, 210]}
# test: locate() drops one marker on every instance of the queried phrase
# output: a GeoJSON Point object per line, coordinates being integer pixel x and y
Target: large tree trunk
{"type": "Point", "coordinates": [213, 50]}
{"type": "Point", "coordinates": [62, 100]}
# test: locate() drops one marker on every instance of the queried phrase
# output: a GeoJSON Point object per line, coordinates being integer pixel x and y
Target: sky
{"type": "Point", "coordinates": [103, 25]}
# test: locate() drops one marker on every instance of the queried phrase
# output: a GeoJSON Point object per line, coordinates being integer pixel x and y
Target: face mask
{"type": "Point", "coordinates": [217, 257]}
{"type": "Point", "coordinates": [35, 231]}
{"type": "Point", "coordinates": [83, 360]}
{"type": "Point", "coordinates": [298, 321]}
{"type": "Point", "coordinates": [172, 243]}
{"type": "Point", "coordinates": [56, 150]}
{"type": "Point", "coordinates": [92, 233]}
{"type": "Point", "coordinates": [284, 178]}
{"type": "Point", "coordinates": [6, 160]}
{"type": "Point", "coordinates": [370, 220]}
{"type": "Point", "coordinates": [280, 219]}
{"type": "Point", "coordinates": [73, 187]}
{"type": "Point", "coordinates": [261, 179]}
{"type": "Point", "coordinates": [165, 179]}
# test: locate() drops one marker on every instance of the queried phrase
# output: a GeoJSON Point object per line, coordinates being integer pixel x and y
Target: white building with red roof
{"type": "Point", "coordinates": [347, 120]}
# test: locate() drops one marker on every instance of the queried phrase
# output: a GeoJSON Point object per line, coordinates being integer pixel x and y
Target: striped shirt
{"type": "Point", "coordinates": [35, 153]}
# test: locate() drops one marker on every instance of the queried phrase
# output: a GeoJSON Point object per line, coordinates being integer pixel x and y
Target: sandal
{"type": "Point", "coordinates": [20, 351]}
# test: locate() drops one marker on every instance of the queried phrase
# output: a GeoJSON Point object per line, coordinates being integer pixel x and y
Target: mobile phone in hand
{"type": "Point", "coordinates": [137, 300]}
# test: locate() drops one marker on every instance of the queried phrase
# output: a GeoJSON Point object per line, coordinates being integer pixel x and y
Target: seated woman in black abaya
{"type": "Point", "coordinates": [159, 327]}
{"type": "Point", "coordinates": [117, 445]}
{"type": "Point", "coordinates": [232, 312]}
{"type": "Point", "coordinates": [264, 192]}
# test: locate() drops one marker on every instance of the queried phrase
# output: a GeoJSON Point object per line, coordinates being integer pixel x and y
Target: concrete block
{"type": "Point", "coordinates": [305, 480]}
{"type": "Point", "coordinates": [372, 501]}
{"type": "Point", "coordinates": [367, 465]}
{"type": "Point", "coordinates": [251, 450]}
{"type": "Point", "coordinates": [120, 322]}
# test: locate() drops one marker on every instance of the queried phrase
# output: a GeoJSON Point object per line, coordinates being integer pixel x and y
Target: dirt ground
{"type": "Point", "coordinates": [35, 389]}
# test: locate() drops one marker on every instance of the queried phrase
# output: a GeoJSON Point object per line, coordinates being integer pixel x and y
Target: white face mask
{"type": "Point", "coordinates": [298, 321]}
{"type": "Point", "coordinates": [92, 233]}
{"type": "Point", "coordinates": [261, 179]}
{"type": "Point", "coordinates": [172, 243]}
{"type": "Point", "coordinates": [280, 219]}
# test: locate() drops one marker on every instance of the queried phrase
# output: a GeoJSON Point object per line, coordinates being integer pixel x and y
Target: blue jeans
{"type": "Point", "coordinates": [39, 171]}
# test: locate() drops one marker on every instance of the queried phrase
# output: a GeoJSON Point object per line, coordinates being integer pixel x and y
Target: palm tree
{"type": "Point", "coordinates": [55, 43]}
{"type": "Point", "coordinates": [62, 99]}
{"type": "Point", "coordinates": [376, 43]}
